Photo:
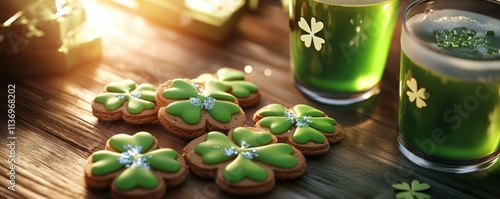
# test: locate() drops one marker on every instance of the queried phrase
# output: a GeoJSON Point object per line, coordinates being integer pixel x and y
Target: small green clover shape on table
{"type": "Point", "coordinates": [252, 147]}
{"type": "Point", "coordinates": [308, 122]}
{"type": "Point", "coordinates": [139, 97]}
{"type": "Point", "coordinates": [413, 191]}
{"type": "Point", "coordinates": [191, 102]}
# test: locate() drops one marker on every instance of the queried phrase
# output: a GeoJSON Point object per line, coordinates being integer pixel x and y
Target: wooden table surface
{"type": "Point", "coordinates": [56, 131]}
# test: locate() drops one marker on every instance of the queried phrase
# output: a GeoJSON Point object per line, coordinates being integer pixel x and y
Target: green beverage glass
{"type": "Point", "coordinates": [339, 48]}
{"type": "Point", "coordinates": [449, 97]}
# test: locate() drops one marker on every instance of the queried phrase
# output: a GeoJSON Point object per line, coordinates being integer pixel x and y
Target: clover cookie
{"type": "Point", "coordinates": [126, 100]}
{"type": "Point", "coordinates": [135, 167]}
{"type": "Point", "coordinates": [190, 109]}
{"type": "Point", "coordinates": [308, 129]}
{"type": "Point", "coordinates": [247, 161]}
{"type": "Point", "coordinates": [245, 91]}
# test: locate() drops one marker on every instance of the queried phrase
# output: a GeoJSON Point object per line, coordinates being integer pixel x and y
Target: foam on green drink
{"type": "Point", "coordinates": [424, 25]}
{"type": "Point", "coordinates": [444, 20]}
{"type": "Point", "coordinates": [450, 96]}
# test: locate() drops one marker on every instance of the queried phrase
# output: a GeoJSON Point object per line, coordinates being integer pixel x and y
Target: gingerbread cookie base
{"type": "Point", "coordinates": [146, 116]}
{"type": "Point", "coordinates": [308, 129]}
{"type": "Point", "coordinates": [190, 109]}
{"type": "Point", "coordinates": [312, 148]}
{"type": "Point", "coordinates": [248, 168]}
{"type": "Point", "coordinates": [245, 91]}
{"type": "Point", "coordinates": [135, 167]}
{"type": "Point", "coordinates": [177, 126]}
{"type": "Point", "coordinates": [126, 100]}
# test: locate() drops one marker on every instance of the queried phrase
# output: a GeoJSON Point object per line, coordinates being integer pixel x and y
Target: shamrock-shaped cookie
{"type": "Point", "coordinates": [306, 128]}
{"type": "Point", "coordinates": [245, 162]}
{"type": "Point", "coordinates": [134, 103]}
{"type": "Point", "coordinates": [190, 109]}
{"type": "Point", "coordinates": [246, 92]}
{"type": "Point", "coordinates": [135, 167]}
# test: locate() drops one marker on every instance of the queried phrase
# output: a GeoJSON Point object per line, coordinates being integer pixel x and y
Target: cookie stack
{"type": "Point", "coordinates": [45, 36]}
{"type": "Point", "coordinates": [209, 111]}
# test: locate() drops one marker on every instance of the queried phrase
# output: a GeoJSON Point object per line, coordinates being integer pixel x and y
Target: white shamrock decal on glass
{"type": "Point", "coordinates": [418, 95]}
{"type": "Point", "coordinates": [310, 37]}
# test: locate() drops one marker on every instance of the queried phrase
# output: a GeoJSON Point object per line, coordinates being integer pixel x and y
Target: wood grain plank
{"type": "Point", "coordinates": [57, 132]}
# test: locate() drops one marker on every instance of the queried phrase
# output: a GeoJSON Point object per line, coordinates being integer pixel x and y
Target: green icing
{"type": "Point", "coordinates": [234, 81]}
{"type": "Point", "coordinates": [105, 162]}
{"type": "Point", "coordinates": [302, 110]}
{"type": "Point", "coordinates": [134, 177]}
{"type": "Point", "coordinates": [147, 91]}
{"type": "Point", "coordinates": [189, 113]}
{"type": "Point", "coordinates": [303, 135]}
{"type": "Point", "coordinates": [229, 74]}
{"type": "Point", "coordinates": [110, 100]}
{"type": "Point", "coordinates": [143, 139]}
{"type": "Point", "coordinates": [141, 175]}
{"type": "Point", "coordinates": [278, 155]}
{"type": "Point", "coordinates": [121, 87]}
{"type": "Point", "coordinates": [164, 160]}
{"type": "Point", "coordinates": [210, 148]}
{"type": "Point", "coordinates": [181, 89]}
{"type": "Point", "coordinates": [325, 124]}
{"type": "Point", "coordinates": [191, 103]}
{"type": "Point", "coordinates": [139, 98]}
{"type": "Point", "coordinates": [252, 146]}
{"type": "Point", "coordinates": [252, 138]}
{"type": "Point", "coordinates": [242, 88]}
{"type": "Point", "coordinates": [241, 168]}
{"type": "Point", "coordinates": [276, 125]}
{"type": "Point", "coordinates": [217, 90]}
{"type": "Point", "coordinates": [137, 163]}
{"type": "Point", "coordinates": [309, 122]}
{"type": "Point", "coordinates": [273, 110]}
{"type": "Point", "coordinates": [222, 111]}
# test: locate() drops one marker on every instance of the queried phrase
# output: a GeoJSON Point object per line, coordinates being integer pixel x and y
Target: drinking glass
{"type": "Point", "coordinates": [449, 97]}
{"type": "Point", "coordinates": [339, 48]}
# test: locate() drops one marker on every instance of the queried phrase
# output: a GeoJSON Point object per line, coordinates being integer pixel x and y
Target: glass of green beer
{"type": "Point", "coordinates": [449, 97]}
{"type": "Point", "coordinates": [339, 48]}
